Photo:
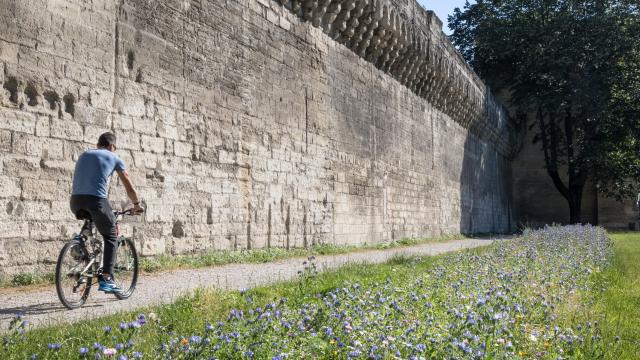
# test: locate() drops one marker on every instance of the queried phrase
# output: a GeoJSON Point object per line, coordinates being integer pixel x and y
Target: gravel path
{"type": "Point", "coordinates": [42, 307]}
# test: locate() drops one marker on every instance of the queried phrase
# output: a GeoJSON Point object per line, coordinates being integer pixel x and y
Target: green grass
{"type": "Point", "coordinates": [222, 257]}
{"type": "Point", "coordinates": [190, 314]}
{"type": "Point", "coordinates": [26, 279]}
{"type": "Point", "coordinates": [616, 307]}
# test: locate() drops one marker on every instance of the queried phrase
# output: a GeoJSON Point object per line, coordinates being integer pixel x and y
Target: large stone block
{"type": "Point", "coordinates": [151, 240]}
{"type": "Point", "coordinates": [167, 131]}
{"type": "Point", "coordinates": [5, 140]}
{"type": "Point", "coordinates": [31, 145]}
{"type": "Point", "coordinates": [43, 126]}
{"type": "Point", "coordinates": [40, 189]}
{"type": "Point", "coordinates": [92, 133]}
{"type": "Point", "coordinates": [182, 149]}
{"type": "Point", "coordinates": [9, 187]}
{"type": "Point", "coordinates": [14, 229]}
{"type": "Point", "coordinates": [133, 106]}
{"type": "Point", "coordinates": [67, 129]}
{"type": "Point", "coordinates": [47, 251]}
{"type": "Point", "coordinates": [159, 212]}
{"type": "Point", "coordinates": [18, 251]}
{"type": "Point", "coordinates": [152, 144]}
{"type": "Point", "coordinates": [128, 140]}
{"type": "Point", "coordinates": [16, 120]}
{"type": "Point", "coordinates": [22, 166]}
{"type": "Point", "coordinates": [9, 52]}
{"type": "Point", "coordinates": [29, 210]}
{"type": "Point", "coordinates": [60, 210]}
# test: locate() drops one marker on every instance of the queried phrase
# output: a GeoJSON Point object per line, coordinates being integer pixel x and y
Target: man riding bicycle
{"type": "Point", "coordinates": [89, 196]}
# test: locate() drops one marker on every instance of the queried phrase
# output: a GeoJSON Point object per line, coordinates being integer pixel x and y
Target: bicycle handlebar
{"type": "Point", "coordinates": [127, 212]}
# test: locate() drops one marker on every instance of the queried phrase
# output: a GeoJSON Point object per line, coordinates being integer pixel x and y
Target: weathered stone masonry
{"type": "Point", "coordinates": [246, 124]}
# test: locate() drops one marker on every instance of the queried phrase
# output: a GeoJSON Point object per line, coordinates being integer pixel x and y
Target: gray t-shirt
{"type": "Point", "coordinates": [93, 169]}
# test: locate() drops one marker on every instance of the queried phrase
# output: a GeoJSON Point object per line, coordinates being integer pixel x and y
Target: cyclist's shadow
{"type": "Point", "coordinates": [40, 309]}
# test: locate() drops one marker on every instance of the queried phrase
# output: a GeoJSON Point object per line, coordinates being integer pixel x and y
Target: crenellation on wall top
{"type": "Point", "coordinates": [406, 41]}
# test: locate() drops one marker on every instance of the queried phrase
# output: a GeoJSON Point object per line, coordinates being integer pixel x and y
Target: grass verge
{"type": "Point", "coordinates": [27, 279]}
{"type": "Point", "coordinates": [615, 307]}
{"type": "Point", "coordinates": [222, 257]}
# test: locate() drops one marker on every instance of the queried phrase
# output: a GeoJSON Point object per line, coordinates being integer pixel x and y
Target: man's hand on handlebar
{"type": "Point", "coordinates": [136, 209]}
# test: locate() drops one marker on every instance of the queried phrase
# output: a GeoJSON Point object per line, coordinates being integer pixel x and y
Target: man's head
{"type": "Point", "coordinates": [107, 141]}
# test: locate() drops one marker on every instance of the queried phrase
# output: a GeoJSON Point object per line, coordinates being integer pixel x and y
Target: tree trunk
{"type": "Point", "coordinates": [576, 177]}
{"type": "Point", "coordinates": [575, 204]}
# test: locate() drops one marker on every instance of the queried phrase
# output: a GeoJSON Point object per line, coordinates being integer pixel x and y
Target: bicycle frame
{"type": "Point", "coordinates": [88, 224]}
{"type": "Point", "coordinates": [86, 253]}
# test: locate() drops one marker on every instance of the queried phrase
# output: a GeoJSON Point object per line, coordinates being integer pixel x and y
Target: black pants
{"type": "Point", "coordinates": [102, 216]}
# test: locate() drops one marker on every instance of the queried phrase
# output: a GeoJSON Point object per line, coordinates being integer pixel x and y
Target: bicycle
{"type": "Point", "coordinates": [79, 263]}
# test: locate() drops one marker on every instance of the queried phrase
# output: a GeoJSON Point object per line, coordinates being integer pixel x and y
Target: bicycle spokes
{"type": "Point", "coordinates": [125, 271]}
{"type": "Point", "coordinates": [80, 262]}
{"type": "Point", "coordinates": [72, 281]}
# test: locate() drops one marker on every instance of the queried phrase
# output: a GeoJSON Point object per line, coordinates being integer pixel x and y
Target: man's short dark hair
{"type": "Point", "coordinates": [106, 139]}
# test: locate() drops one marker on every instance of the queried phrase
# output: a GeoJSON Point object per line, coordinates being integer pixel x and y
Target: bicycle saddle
{"type": "Point", "coordinates": [83, 215]}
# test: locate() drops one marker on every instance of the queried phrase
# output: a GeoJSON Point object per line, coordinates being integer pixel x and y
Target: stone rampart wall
{"type": "Point", "coordinates": [244, 124]}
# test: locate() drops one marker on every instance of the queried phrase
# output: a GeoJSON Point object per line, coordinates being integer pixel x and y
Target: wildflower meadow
{"type": "Point", "coordinates": [515, 299]}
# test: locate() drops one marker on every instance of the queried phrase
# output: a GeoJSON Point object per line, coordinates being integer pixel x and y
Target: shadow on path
{"type": "Point", "coordinates": [48, 307]}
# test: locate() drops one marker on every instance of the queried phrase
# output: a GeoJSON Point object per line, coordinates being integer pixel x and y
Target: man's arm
{"type": "Point", "coordinates": [131, 192]}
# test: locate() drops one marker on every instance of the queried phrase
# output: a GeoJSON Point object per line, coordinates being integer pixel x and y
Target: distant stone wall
{"type": "Point", "coordinates": [246, 124]}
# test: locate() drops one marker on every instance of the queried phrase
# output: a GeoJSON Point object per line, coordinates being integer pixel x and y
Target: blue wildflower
{"type": "Point", "coordinates": [195, 339]}
{"type": "Point", "coordinates": [133, 325]}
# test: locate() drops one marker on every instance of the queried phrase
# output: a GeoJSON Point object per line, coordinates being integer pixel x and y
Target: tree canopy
{"type": "Point", "coordinates": [571, 70]}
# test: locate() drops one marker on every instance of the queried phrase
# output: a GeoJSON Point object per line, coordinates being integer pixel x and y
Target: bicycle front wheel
{"type": "Point", "coordinates": [125, 271]}
{"type": "Point", "coordinates": [72, 284]}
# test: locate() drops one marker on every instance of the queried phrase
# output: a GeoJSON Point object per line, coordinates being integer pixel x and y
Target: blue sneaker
{"type": "Point", "coordinates": [108, 286]}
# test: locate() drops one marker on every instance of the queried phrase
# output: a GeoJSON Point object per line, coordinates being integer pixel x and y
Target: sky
{"type": "Point", "coordinates": [443, 8]}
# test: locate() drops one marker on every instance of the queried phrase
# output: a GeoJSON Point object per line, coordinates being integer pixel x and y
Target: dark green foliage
{"type": "Point", "coordinates": [572, 71]}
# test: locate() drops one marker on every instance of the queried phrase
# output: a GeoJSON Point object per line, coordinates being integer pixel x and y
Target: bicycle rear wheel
{"type": "Point", "coordinates": [125, 271]}
{"type": "Point", "coordinates": [71, 285]}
